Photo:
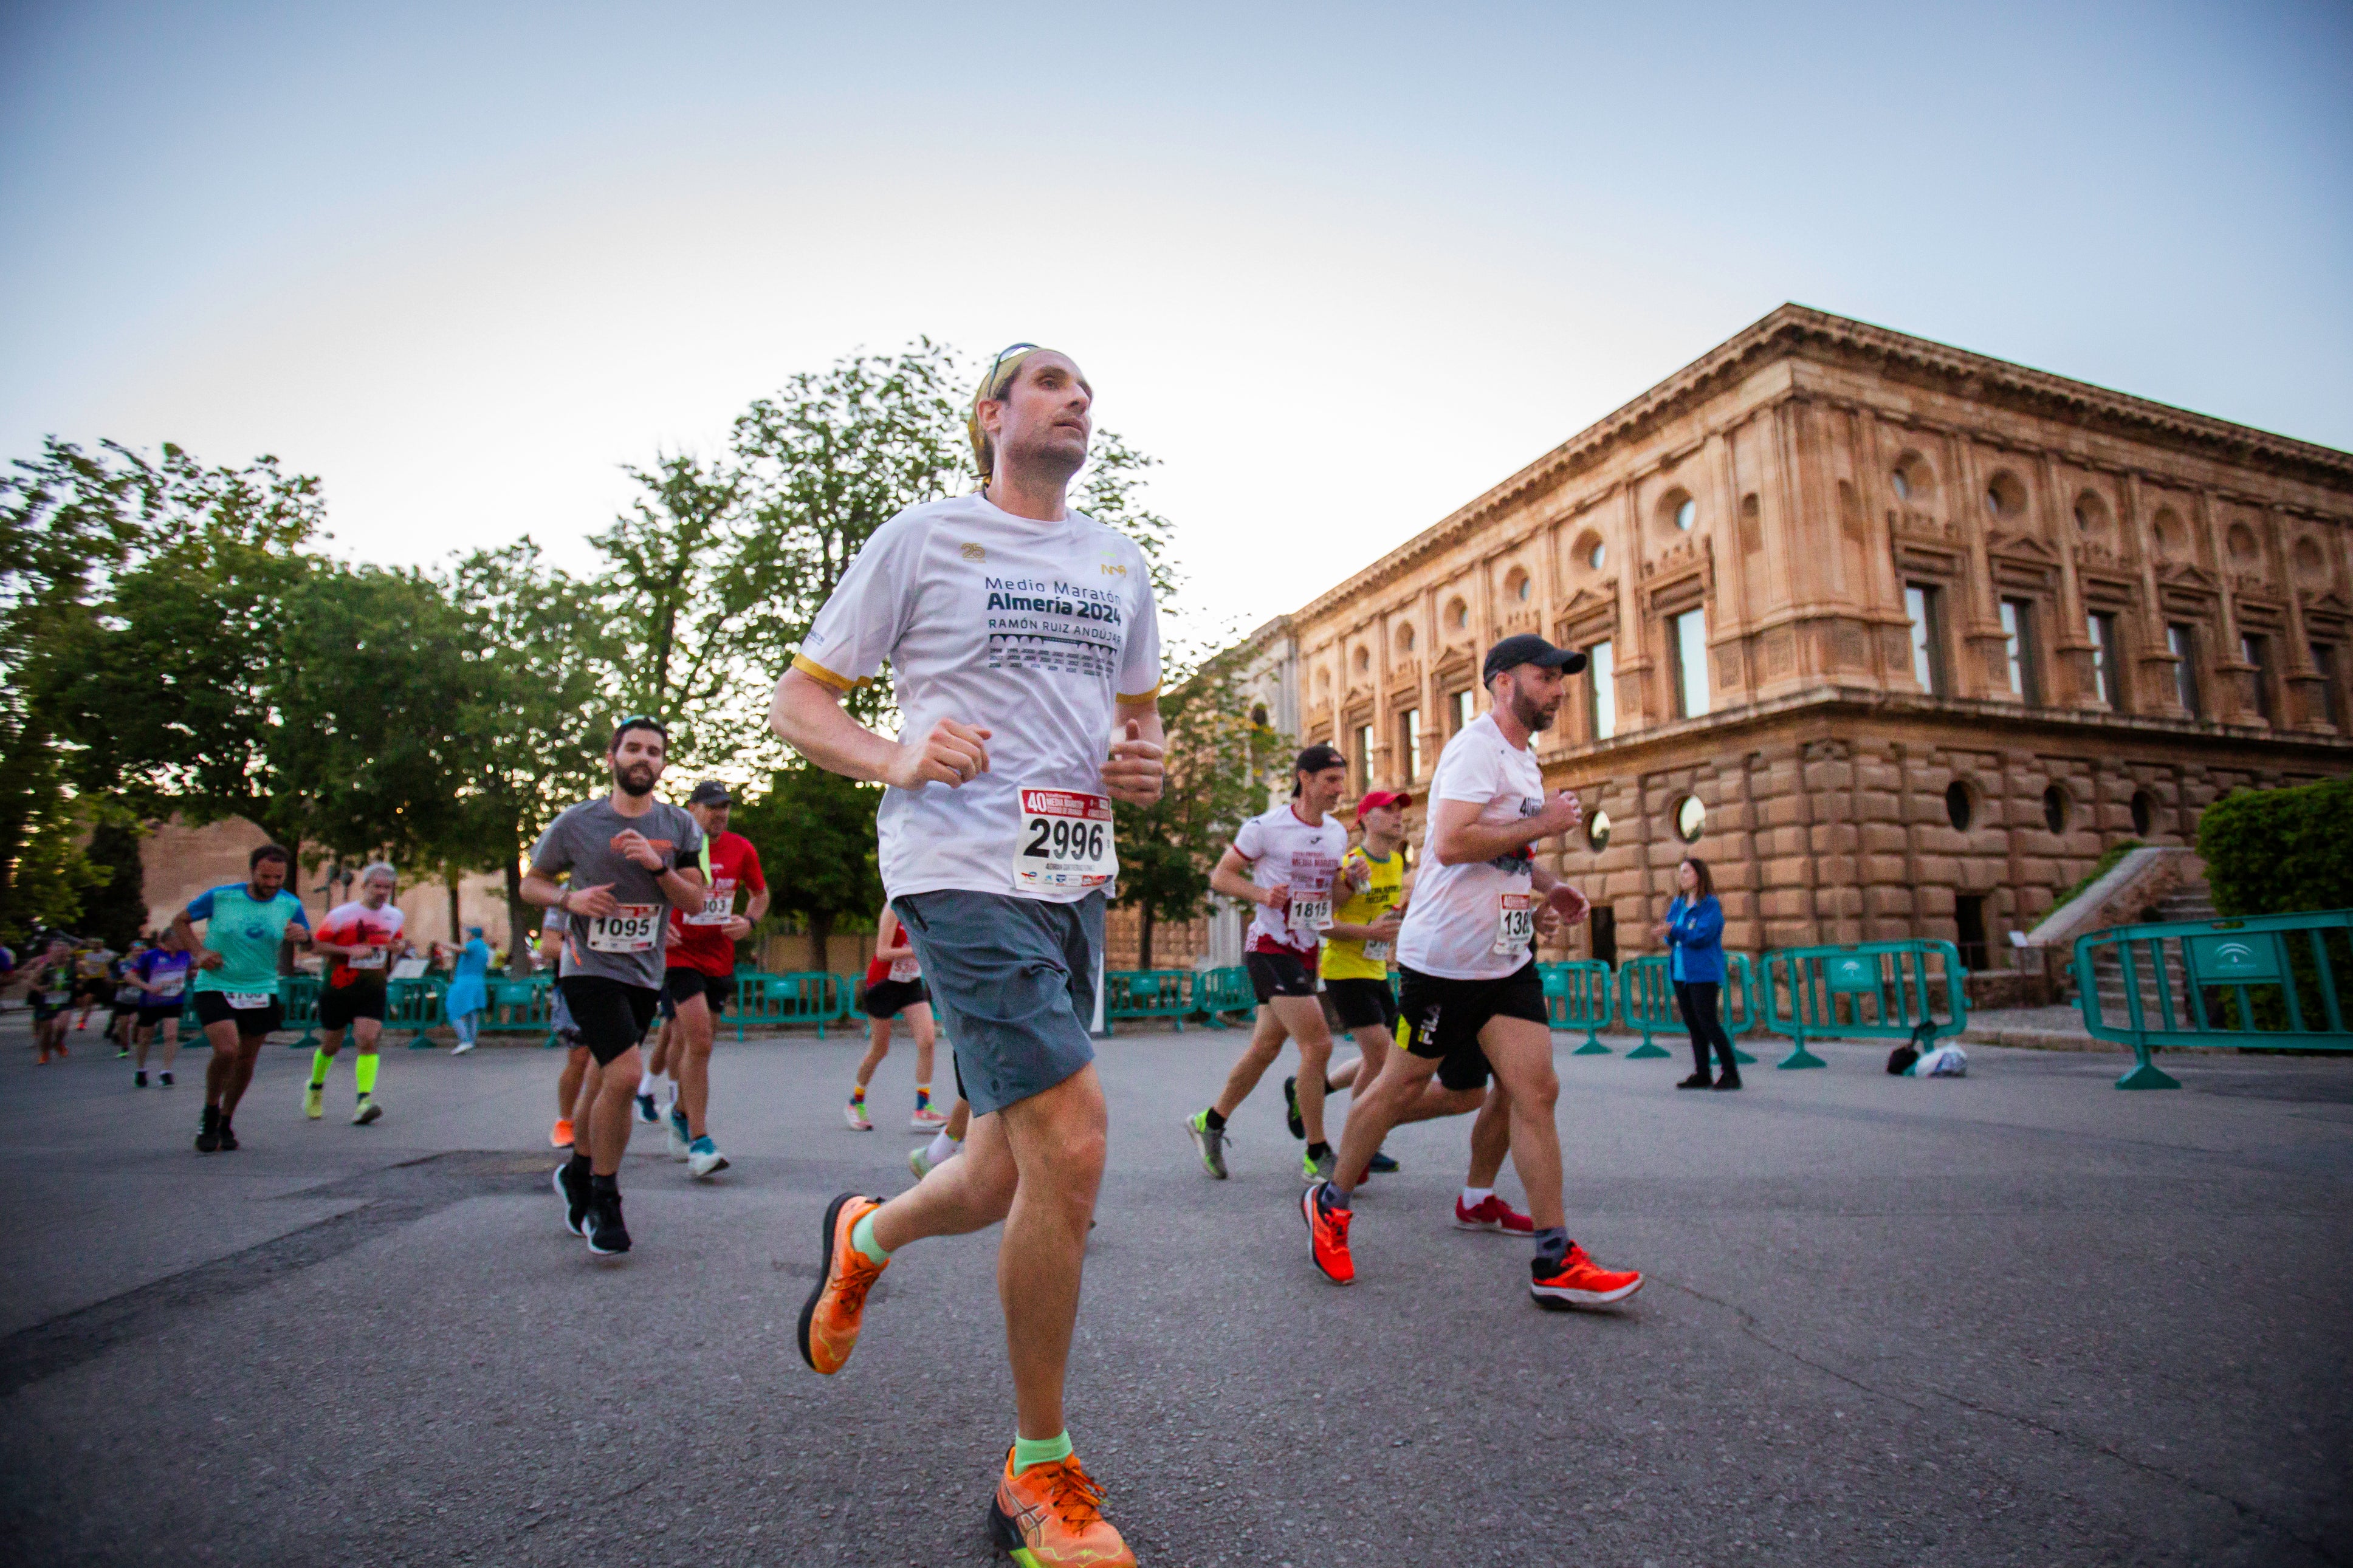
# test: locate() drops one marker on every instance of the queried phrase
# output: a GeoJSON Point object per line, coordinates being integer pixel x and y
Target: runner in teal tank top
{"type": "Point", "coordinates": [235, 984]}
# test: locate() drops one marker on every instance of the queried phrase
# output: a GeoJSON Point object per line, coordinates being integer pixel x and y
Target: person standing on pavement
{"type": "Point", "coordinates": [1025, 649]}
{"type": "Point", "coordinates": [469, 990]}
{"type": "Point", "coordinates": [1693, 932]}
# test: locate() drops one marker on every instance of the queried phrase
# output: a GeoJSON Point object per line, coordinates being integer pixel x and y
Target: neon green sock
{"type": "Point", "coordinates": [319, 1061]}
{"type": "Point", "coordinates": [1040, 1451]}
{"type": "Point", "coordinates": [861, 1237]}
{"type": "Point", "coordinates": [363, 1071]}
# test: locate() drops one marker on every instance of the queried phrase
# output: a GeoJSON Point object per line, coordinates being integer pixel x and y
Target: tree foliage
{"type": "Point", "coordinates": [818, 829]}
{"type": "Point", "coordinates": [2278, 851]}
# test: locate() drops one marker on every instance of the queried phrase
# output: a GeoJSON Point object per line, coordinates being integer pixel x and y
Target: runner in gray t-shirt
{"type": "Point", "coordinates": [628, 944]}
{"type": "Point", "coordinates": [630, 858]}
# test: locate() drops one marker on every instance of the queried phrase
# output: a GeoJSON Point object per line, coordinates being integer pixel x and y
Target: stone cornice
{"type": "Point", "coordinates": [1799, 331]}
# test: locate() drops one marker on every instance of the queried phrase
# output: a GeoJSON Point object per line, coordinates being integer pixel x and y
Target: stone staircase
{"type": "Point", "coordinates": [2190, 901]}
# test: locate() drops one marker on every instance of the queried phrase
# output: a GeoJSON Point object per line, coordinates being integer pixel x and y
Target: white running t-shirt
{"type": "Point", "coordinates": [1033, 631]}
{"type": "Point", "coordinates": [1457, 917]}
{"type": "Point", "coordinates": [1283, 849]}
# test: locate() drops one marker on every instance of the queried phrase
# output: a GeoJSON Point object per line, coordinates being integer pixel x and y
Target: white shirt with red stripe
{"type": "Point", "coordinates": [1285, 850]}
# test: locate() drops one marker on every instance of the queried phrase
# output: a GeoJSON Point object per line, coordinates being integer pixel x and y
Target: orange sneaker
{"type": "Point", "coordinates": [1050, 1516]}
{"type": "Point", "coordinates": [1327, 1237]}
{"type": "Point", "coordinates": [1579, 1281]}
{"type": "Point", "coordinates": [829, 1322]}
{"type": "Point", "coordinates": [561, 1136]}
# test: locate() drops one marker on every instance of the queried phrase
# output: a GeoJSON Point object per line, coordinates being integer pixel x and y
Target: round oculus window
{"type": "Point", "coordinates": [1597, 830]}
{"type": "Point", "coordinates": [1690, 817]}
{"type": "Point", "coordinates": [1686, 515]}
{"type": "Point", "coordinates": [1960, 809]}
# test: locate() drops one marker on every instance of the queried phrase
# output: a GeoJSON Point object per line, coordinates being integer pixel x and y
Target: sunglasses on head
{"type": "Point", "coordinates": [641, 721]}
{"type": "Point", "coordinates": [988, 382]}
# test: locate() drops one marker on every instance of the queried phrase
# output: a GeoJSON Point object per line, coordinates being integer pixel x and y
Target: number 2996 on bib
{"type": "Point", "coordinates": [1065, 841]}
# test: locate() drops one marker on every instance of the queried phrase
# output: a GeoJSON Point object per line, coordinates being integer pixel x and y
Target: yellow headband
{"type": "Point", "coordinates": [1001, 372]}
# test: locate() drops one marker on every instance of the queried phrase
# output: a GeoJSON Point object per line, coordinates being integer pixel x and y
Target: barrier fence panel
{"type": "Point", "coordinates": [2263, 983]}
{"type": "Point", "coordinates": [1147, 993]}
{"type": "Point", "coordinates": [414, 1004]}
{"type": "Point", "coordinates": [1646, 1001]}
{"type": "Point", "coordinates": [519, 1007]}
{"type": "Point", "coordinates": [809, 997]}
{"type": "Point", "coordinates": [1871, 991]}
{"type": "Point", "coordinates": [1217, 992]}
{"type": "Point", "coordinates": [298, 1001]}
{"type": "Point", "coordinates": [1578, 996]}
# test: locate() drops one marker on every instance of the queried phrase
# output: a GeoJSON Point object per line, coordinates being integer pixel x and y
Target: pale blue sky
{"type": "Point", "coordinates": [1342, 268]}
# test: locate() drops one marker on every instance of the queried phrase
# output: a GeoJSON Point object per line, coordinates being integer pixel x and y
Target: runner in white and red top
{"type": "Point", "coordinates": [1286, 863]}
{"type": "Point", "coordinates": [360, 941]}
{"type": "Point", "coordinates": [700, 975]}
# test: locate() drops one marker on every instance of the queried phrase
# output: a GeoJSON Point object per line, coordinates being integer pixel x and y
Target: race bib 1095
{"type": "Point", "coordinates": [630, 928]}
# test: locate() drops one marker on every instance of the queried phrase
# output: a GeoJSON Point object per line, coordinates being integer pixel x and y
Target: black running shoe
{"type": "Point", "coordinates": [607, 1235]}
{"type": "Point", "coordinates": [166, 1078]}
{"type": "Point", "coordinates": [574, 1191]}
{"type": "Point", "coordinates": [1291, 1109]}
{"type": "Point", "coordinates": [228, 1136]}
{"type": "Point", "coordinates": [208, 1130]}
{"type": "Point", "coordinates": [139, 1078]}
{"type": "Point", "coordinates": [1380, 1165]}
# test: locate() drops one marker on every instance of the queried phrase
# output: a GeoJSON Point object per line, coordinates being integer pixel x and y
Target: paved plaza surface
{"type": "Point", "coordinates": [2019, 1318]}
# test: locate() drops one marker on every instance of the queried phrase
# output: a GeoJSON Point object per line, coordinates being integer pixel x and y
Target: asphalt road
{"type": "Point", "coordinates": [2019, 1318]}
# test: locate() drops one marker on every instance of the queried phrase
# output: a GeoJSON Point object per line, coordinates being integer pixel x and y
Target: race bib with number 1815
{"type": "Point", "coordinates": [1065, 841]}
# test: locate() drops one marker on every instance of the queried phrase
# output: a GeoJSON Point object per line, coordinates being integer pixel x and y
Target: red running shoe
{"type": "Point", "coordinates": [1327, 1237]}
{"type": "Point", "coordinates": [1492, 1214]}
{"type": "Point", "coordinates": [1578, 1281]}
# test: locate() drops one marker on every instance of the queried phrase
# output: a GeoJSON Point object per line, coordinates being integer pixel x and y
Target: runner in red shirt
{"type": "Point", "coordinates": [701, 975]}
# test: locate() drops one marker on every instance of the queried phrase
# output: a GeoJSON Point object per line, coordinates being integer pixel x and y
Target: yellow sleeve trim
{"type": "Point", "coordinates": [1150, 696]}
{"type": "Point", "coordinates": [821, 675]}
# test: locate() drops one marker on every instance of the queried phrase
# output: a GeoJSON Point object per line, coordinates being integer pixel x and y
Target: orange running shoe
{"type": "Point", "coordinates": [1050, 1516]}
{"type": "Point", "coordinates": [561, 1137]}
{"type": "Point", "coordinates": [829, 1322]}
{"type": "Point", "coordinates": [1579, 1281]}
{"type": "Point", "coordinates": [1327, 1237]}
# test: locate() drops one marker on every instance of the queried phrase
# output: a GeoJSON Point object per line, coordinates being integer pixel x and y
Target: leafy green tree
{"type": "Point", "coordinates": [529, 720]}
{"type": "Point", "coordinates": [814, 831]}
{"type": "Point", "coordinates": [1216, 753]}
{"type": "Point", "coordinates": [115, 908]}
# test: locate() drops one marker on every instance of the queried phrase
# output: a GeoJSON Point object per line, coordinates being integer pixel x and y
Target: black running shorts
{"type": "Point", "coordinates": [892, 997]}
{"type": "Point", "coordinates": [1361, 1004]}
{"type": "Point", "coordinates": [1442, 1017]}
{"type": "Point", "coordinates": [1274, 974]}
{"type": "Point", "coordinates": [339, 1006]}
{"type": "Point", "coordinates": [151, 1016]}
{"type": "Point", "coordinates": [212, 1008]}
{"type": "Point", "coordinates": [612, 1016]}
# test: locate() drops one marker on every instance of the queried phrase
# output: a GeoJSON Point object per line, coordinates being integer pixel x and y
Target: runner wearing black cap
{"type": "Point", "coordinates": [1357, 997]}
{"type": "Point", "coordinates": [700, 973]}
{"type": "Point", "coordinates": [1469, 986]}
{"type": "Point", "coordinates": [1287, 862]}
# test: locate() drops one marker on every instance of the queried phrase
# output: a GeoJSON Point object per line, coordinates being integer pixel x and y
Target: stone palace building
{"type": "Point", "coordinates": [1896, 636]}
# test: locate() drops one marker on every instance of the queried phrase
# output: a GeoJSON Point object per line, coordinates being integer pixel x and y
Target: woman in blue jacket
{"type": "Point", "coordinates": [469, 989]}
{"type": "Point", "coordinates": [1693, 932]}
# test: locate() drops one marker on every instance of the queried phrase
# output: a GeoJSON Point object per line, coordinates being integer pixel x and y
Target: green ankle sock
{"type": "Point", "coordinates": [319, 1062]}
{"type": "Point", "coordinates": [861, 1237]}
{"type": "Point", "coordinates": [1042, 1451]}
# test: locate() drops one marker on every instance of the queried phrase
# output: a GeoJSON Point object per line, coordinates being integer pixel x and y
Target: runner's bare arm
{"type": "Point", "coordinates": [1382, 929]}
{"type": "Point", "coordinates": [185, 929]}
{"type": "Point", "coordinates": [1561, 898]}
{"type": "Point", "coordinates": [1232, 877]}
{"type": "Point", "coordinates": [1138, 768]}
{"type": "Point", "coordinates": [539, 887]}
{"type": "Point", "coordinates": [683, 886]}
{"type": "Point", "coordinates": [1459, 838]}
{"type": "Point", "coordinates": [806, 715]}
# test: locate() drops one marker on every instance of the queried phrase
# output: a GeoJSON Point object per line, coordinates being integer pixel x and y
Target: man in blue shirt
{"type": "Point", "coordinates": [236, 985]}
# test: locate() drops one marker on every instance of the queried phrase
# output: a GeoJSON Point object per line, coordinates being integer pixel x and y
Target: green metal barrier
{"type": "Point", "coordinates": [1647, 1002]}
{"type": "Point", "coordinates": [1221, 991]}
{"type": "Point", "coordinates": [297, 1003]}
{"type": "Point", "coordinates": [1146, 993]}
{"type": "Point", "coordinates": [2236, 976]}
{"type": "Point", "coordinates": [414, 1004]}
{"type": "Point", "coordinates": [1578, 996]}
{"type": "Point", "coordinates": [1872, 991]}
{"type": "Point", "coordinates": [783, 1000]}
{"type": "Point", "coordinates": [519, 1007]}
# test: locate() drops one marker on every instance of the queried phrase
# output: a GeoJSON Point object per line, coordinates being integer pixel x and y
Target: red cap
{"type": "Point", "coordinates": [1380, 797]}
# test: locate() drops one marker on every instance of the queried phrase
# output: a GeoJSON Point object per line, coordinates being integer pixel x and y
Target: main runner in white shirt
{"type": "Point", "coordinates": [1286, 863]}
{"type": "Point", "coordinates": [1468, 973]}
{"type": "Point", "coordinates": [1025, 650]}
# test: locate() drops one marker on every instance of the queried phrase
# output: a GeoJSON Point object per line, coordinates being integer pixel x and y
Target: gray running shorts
{"type": "Point", "coordinates": [1014, 982]}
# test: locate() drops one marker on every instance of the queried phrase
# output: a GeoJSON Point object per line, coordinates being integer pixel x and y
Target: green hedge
{"type": "Point", "coordinates": [2275, 851]}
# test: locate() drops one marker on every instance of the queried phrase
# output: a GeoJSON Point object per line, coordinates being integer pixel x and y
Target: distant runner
{"type": "Point", "coordinates": [567, 1033]}
{"type": "Point", "coordinates": [894, 988]}
{"type": "Point", "coordinates": [1287, 862]}
{"type": "Point", "coordinates": [1357, 948]}
{"type": "Point", "coordinates": [51, 994]}
{"type": "Point", "coordinates": [361, 940]}
{"type": "Point", "coordinates": [162, 975]}
{"type": "Point", "coordinates": [700, 972]}
{"type": "Point", "coordinates": [237, 979]}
